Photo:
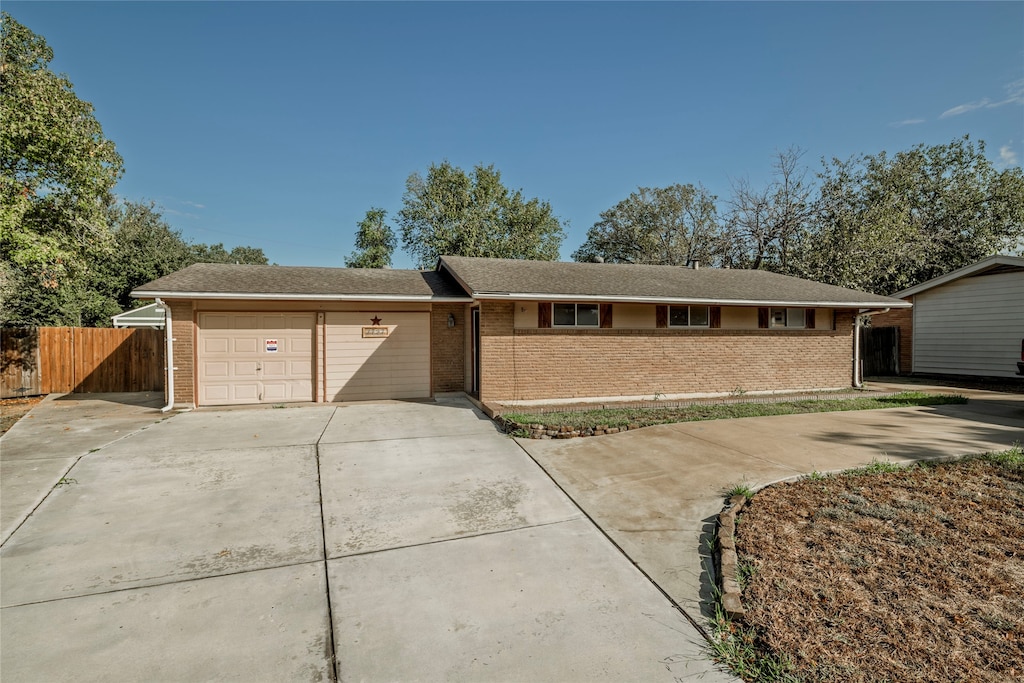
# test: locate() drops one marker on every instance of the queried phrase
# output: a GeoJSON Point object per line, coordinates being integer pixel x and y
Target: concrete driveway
{"type": "Point", "coordinates": [381, 541]}
{"type": "Point", "coordinates": [657, 491]}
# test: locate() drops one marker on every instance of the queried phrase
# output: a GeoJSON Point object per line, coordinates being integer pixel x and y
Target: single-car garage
{"type": "Point", "coordinates": [255, 357]}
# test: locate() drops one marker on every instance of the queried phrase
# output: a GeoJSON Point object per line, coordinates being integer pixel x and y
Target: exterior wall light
{"type": "Point", "coordinates": [451, 320]}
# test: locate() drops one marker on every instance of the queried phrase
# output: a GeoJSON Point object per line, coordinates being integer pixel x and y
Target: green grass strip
{"type": "Point", "coordinates": [620, 417]}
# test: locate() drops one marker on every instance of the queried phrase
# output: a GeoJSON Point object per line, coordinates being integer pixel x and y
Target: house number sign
{"type": "Point", "coordinates": [374, 332]}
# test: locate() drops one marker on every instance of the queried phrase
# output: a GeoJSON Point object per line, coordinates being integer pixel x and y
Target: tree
{"type": "Point", "coordinates": [452, 213]}
{"type": "Point", "coordinates": [375, 242]}
{"type": "Point", "coordinates": [144, 248]}
{"type": "Point", "coordinates": [57, 169]}
{"type": "Point", "coordinates": [888, 223]}
{"type": "Point", "coordinates": [667, 226]}
{"type": "Point", "coordinates": [216, 253]}
{"type": "Point", "coordinates": [765, 226]}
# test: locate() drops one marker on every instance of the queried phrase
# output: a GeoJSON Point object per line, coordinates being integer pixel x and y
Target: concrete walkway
{"type": "Point", "coordinates": [376, 541]}
{"type": "Point", "coordinates": [657, 491]}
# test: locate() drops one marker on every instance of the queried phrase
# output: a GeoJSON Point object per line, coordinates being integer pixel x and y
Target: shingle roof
{"type": "Point", "coordinates": [486, 278]}
{"type": "Point", "coordinates": [217, 280]}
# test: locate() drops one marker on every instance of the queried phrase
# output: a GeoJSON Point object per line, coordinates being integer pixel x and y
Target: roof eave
{"type": "Point", "coordinates": [966, 271]}
{"type": "Point", "coordinates": [278, 296]}
{"type": "Point", "coordinates": [529, 296]}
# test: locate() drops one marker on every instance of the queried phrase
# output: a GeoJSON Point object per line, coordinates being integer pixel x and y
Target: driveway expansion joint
{"type": "Point", "coordinates": [159, 584]}
{"type": "Point", "coordinates": [450, 539]}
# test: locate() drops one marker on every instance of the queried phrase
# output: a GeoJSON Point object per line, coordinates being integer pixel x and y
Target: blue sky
{"type": "Point", "coordinates": [277, 125]}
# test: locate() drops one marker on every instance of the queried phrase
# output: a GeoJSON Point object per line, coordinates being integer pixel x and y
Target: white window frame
{"type": "Point", "coordinates": [786, 318]}
{"type": "Point", "coordinates": [689, 316]}
{"type": "Point", "coordinates": [576, 315]}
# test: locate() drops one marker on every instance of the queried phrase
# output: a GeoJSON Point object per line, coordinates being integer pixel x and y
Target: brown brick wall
{"type": "Point", "coordinates": [551, 363]}
{"type": "Point", "coordinates": [184, 353]}
{"type": "Point", "coordinates": [902, 318]}
{"type": "Point", "coordinates": [447, 348]}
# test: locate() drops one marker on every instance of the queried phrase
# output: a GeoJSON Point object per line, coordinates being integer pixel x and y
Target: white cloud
{"type": "Point", "coordinates": [964, 108]}
{"type": "Point", "coordinates": [906, 122]}
{"type": "Point", "coordinates": [1007, 157]}
{"type": "Point", "coordinates": [1014, 95]}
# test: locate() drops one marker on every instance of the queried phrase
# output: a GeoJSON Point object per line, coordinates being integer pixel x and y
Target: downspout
{"type": "Point", "coordinates": [168, 354]}
{"type": "Point", "coordinates": [858, 381]}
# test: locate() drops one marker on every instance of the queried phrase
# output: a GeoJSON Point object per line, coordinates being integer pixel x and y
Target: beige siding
{"type": "Point", "coordinates": [526, 314]}
{"type": "Point", "coordinates": [255, 357]}
{"type": "Point", "coordinates": [736, 318]}
{"type": "Point", "coordinates": [971, 326]}
{"type": "Point", "coordinates": [396, 366]}
{"type": "Point", "coordinates": [633, 317]}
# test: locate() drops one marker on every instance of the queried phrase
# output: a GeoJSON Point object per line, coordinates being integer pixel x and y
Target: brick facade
{"type": "Point", "coordinates": [184, 353]}
{"type": "Point", "coordinates": [902, 318]}
{"type": "Point", "coordinates": [448, 348]}
{"type": "Point", "coordinates": [537, 364]}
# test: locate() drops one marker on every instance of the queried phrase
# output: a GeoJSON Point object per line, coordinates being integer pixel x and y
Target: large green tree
{"type": "Point", "coordinates": [375, 242]}
{"type": "Point", "coordinates": [885, 223]}
{"type": "Point", "coordinates": [144, 247]}
{"type": "Point", "coordinates": [57, 170]}
{"type": "Point", "coordinates": [450, 212]}
{"type": "Point", "coordinates": [665, 226]}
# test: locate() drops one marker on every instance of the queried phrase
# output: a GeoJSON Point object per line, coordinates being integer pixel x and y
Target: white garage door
{"type": "Point", "coordinates": [363, 364]}
{"type": "Point", "coordinates": [255, 358]}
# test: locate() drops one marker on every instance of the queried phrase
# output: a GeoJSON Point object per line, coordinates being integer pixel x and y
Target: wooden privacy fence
{"type": "Point", "coordinates": [45, 360]}
{"type": "Point", "coordinates": [880, 350]}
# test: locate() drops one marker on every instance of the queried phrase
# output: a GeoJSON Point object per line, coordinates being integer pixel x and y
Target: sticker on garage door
{"type": "Point", "coordinates": [271, 345]}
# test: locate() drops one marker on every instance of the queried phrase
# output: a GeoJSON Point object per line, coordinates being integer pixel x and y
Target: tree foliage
{"type": "Point", "coordinates": [375, 242]}
{"type": "Point", "coordinates": [666, 226]}
{"type": "Point", "coordinates": [57, 170]}
{"type": "Point", "coordinates": [454, 213]}
{"type": "Point", "coordinates": [144, 248]}
{"type": "Point", "coordinates": [885, 223]}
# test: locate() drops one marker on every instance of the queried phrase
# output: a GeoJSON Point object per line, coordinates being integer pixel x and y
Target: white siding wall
{"type": "Point", "coordinates": [971, 326]}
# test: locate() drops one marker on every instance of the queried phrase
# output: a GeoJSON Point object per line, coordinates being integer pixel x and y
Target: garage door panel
{"type": "Point", "coordinates": [236, 365]}
{"type": "Point", "coordinates": [244, 345]}
{"type": "Point", "coordinates": [396, 366]}
{"type": "Point", "coordinates": [215, 345]}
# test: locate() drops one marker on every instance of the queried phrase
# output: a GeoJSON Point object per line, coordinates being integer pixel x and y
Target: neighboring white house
{"type": "Point", "coordinates": [970, 321]}
{"type": "Point", "coordinates": [150, 315]}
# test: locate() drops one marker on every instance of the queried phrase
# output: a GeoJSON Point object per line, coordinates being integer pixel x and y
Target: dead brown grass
{"type": "Point", "coordinates": [13, 409]}
{"type": "Point", "coordinates": [915, 575]}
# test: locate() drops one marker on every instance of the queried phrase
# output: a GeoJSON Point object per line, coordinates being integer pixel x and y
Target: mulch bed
{"type": "Point", "coordinates": [13, 409]}
{"type": "Point", "coordinates": [916, 575]}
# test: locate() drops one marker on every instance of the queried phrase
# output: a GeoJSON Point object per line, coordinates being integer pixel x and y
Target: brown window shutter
{"type": "Point", "coordinates": [809, 318]}
{"type": "Point", "coordinates": [606, 316]}
{"type": "Point", "coordinates": [661, 316]}
{"type": "Point", "coordinates": [715, 317]}
{"type": "Point", "coordinates": [762, 318]}
{"type": "Point", "coordinates": [544, 314]}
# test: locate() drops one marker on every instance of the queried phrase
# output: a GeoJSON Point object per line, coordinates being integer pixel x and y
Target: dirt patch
{"type": "Point", "coordinates": [13, 409]}
{"type": "Point", "coordinates": [913, 575]}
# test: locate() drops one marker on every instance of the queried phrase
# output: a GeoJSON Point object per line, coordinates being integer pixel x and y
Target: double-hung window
{"type": "Point", "coordinates": [688, 316]}
{"type": "Point", "coordinates": [788, 317]}
{"type": "Point", "coordinates": [575, 315]}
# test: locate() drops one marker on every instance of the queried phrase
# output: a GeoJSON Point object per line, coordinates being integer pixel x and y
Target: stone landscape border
{"type": "Point", "coordinates": [728, 560]}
